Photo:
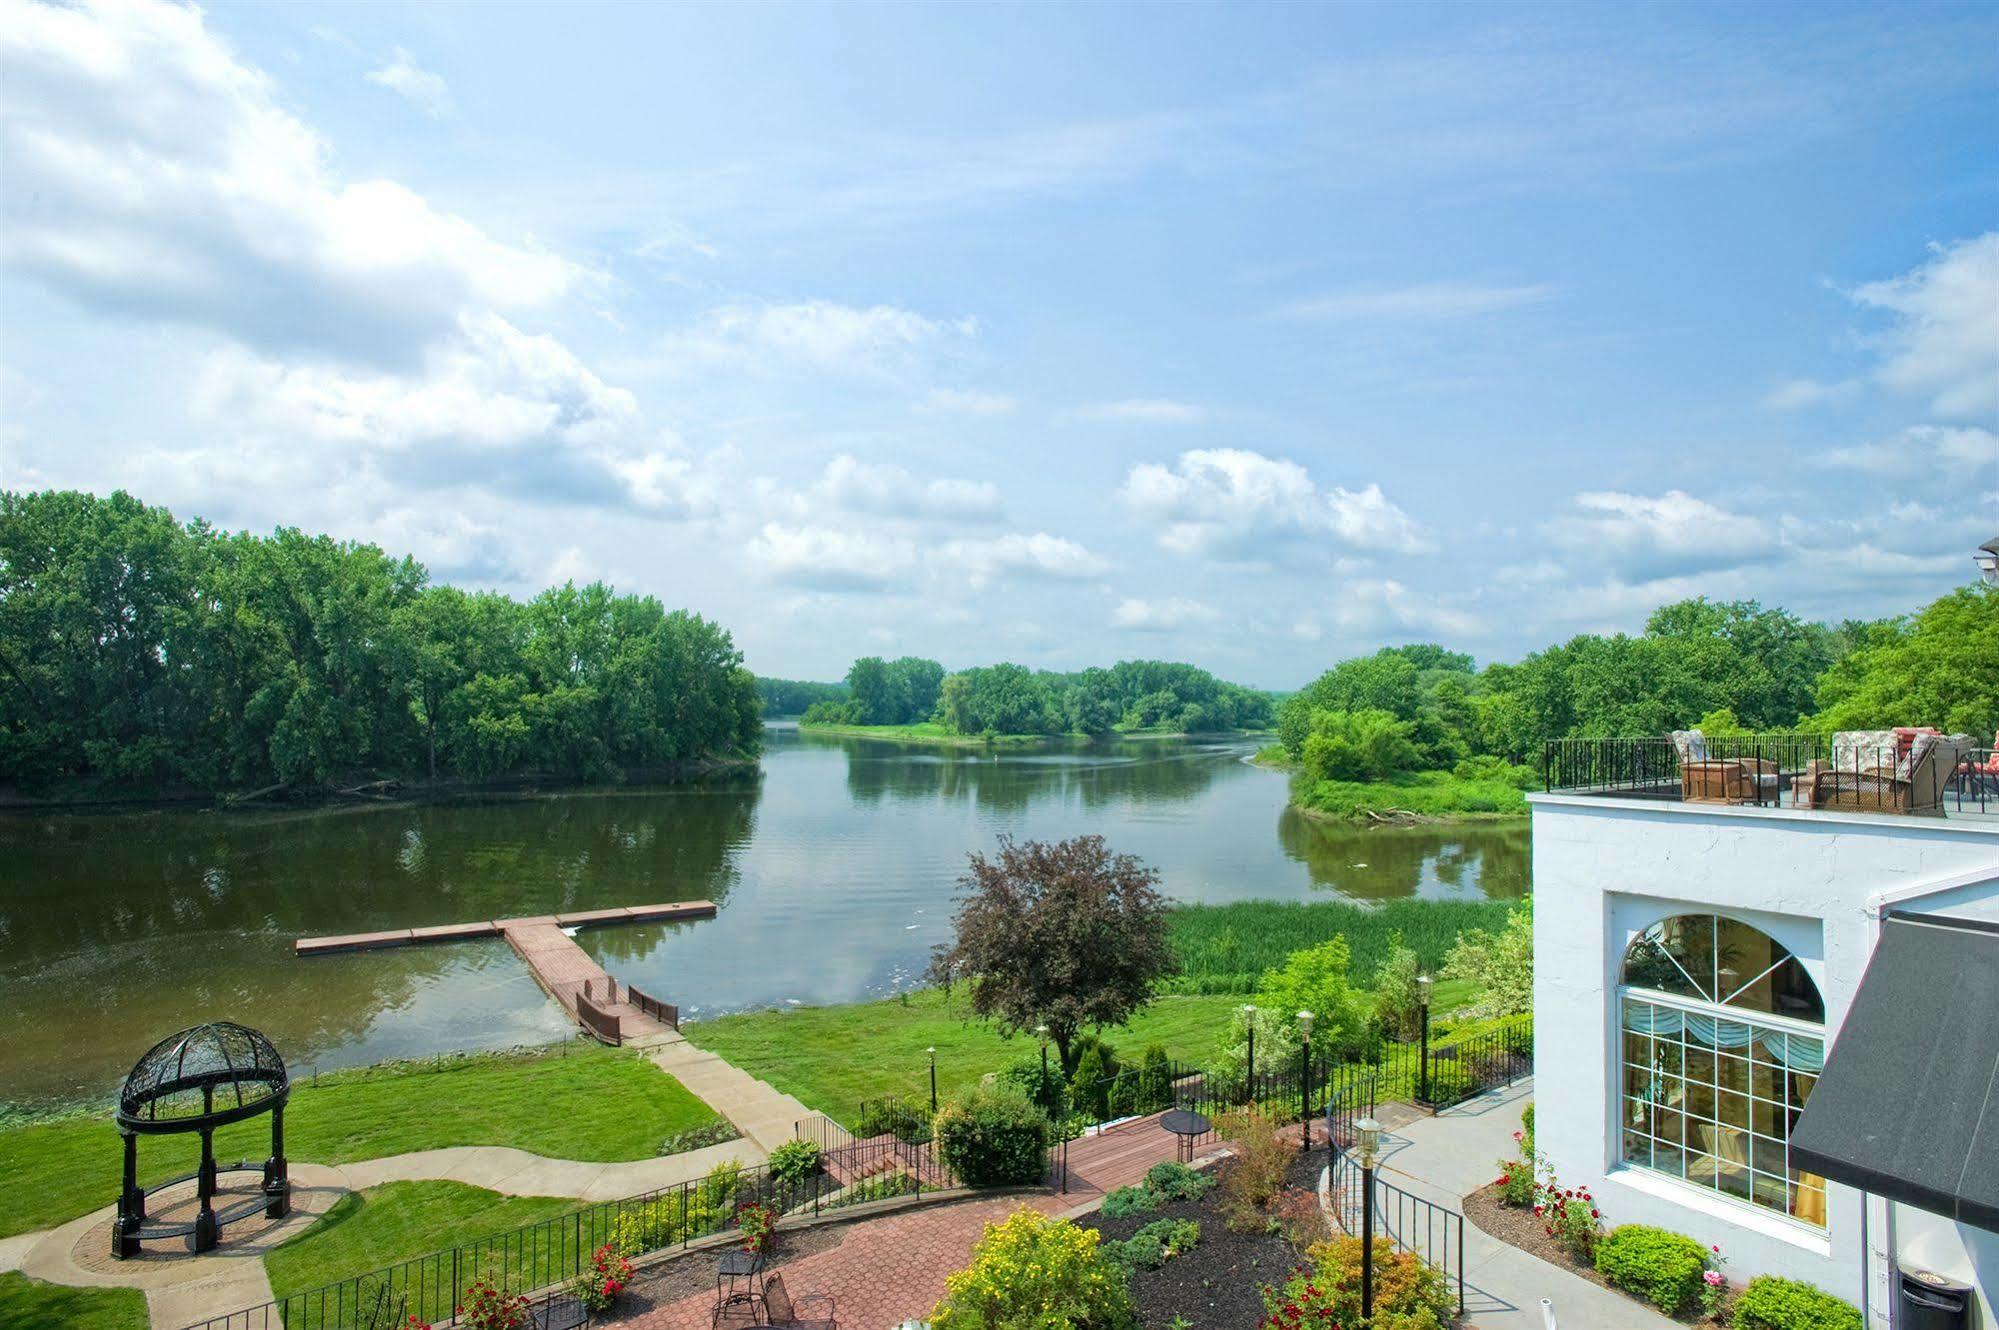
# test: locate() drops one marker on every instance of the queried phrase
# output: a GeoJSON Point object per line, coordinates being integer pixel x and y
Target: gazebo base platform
{"type": "Point", "coordinates": [242, 1202]}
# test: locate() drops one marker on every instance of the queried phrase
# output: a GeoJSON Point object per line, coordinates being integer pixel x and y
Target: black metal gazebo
{"type": "Point", "coordinates": [195, 1081]}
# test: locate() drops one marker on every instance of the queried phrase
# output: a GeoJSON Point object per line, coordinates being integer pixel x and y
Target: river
{"type": "Point", "coordinates": [834, 867]}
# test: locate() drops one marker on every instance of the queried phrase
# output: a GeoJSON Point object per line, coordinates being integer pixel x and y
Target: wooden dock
{"type": "Point", "coordinates": [406, 937]}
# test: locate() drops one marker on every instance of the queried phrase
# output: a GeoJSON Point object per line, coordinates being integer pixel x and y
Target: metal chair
{"type": "Point", "coordinates": [786, 1315]}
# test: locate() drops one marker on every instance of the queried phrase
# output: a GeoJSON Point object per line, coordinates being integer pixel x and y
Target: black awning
{"type": "Point", "coordinates": [1908, 1106]}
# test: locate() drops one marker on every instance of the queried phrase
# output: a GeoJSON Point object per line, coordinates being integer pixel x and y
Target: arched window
{"type": "Point", "coordinates": [1724, 1038]}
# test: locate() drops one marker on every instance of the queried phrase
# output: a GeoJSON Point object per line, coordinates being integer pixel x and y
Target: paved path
{"type": "Point", "coordinates": [1447, 1157]}
{"type": "Point", "coordinates": [760, 1111]}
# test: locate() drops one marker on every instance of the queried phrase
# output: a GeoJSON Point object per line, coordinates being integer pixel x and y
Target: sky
{"type": "Point", "coordinates": [1256, 336]}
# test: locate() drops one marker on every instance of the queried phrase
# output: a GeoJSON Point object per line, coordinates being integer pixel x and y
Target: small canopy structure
{"type": "Point", "coordinates": [1908, 1107]}
{"type": "Point", "coordinates": [202, 1078]}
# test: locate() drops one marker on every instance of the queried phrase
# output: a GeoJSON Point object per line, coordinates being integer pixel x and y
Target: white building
{"type": "Point", "coordinates": [1695, 962]}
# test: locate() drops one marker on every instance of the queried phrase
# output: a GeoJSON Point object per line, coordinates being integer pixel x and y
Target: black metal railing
{"type": "Point", "coordinates": [1459, 1066]}
{"type": "Point", "coordinates": [1874, 771]}
{"type": "Point", "coordinates": [539, 1258]}
{"type": "Point", "coordinates": [1433, 1233]}
{"type": "Point", "coordinates": [1347, 1103]}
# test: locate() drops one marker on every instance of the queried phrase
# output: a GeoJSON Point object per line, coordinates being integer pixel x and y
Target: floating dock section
{"type": "Point", "coordinates": [670, 912]}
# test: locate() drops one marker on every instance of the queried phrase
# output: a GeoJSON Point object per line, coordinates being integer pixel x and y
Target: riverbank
{"type": "Point", "coordinates": [931, 732]}
{"type": "Point", "coordinates": [92, 796]}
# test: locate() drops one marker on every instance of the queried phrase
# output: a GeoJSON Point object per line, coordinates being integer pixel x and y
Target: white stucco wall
{"type": "Point", "coordinates": [1606, 868]}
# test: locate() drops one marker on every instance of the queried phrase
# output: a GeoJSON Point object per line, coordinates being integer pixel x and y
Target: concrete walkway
{"type": "Point", "coordinates": [1447, 1157]}
{"type": "Point", "coordinates": [760, 1111]}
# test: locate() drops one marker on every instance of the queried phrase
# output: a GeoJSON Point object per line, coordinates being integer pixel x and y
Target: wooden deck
{"type": "Point", "coordinates": [407, 937]}
{"type": "Point", "coordinates": [568, 974]}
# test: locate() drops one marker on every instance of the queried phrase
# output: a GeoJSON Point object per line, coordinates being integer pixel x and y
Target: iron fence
{"type": "Point", "coordinates": [541, 1258]}
{"type": "Point", "coordinates": [1460, 1066]}
{"type": "Point", "coordinates": [1433, 1233]}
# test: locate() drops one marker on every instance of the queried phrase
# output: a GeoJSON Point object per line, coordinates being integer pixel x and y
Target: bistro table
{"type": "Point", "coordinates": [1186, 1124]}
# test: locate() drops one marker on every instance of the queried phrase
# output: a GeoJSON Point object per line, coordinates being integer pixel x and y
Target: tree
{"type": "Point", "coordinates": [1315, 979]}
{"type": "Point", "coordinates": [1501, 966]}
{"type": "Point", "coordinates": [1358, 745]}
{"type": "Point", "coordinates": [1398, 1002]}
{"type": "Point", "coordinates": [1067, 935]}
{"type": "Point", "coordinates": [1940, 668]}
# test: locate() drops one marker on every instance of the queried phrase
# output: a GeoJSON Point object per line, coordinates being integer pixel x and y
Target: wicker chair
{"type": "Point", "coordinates": [1706, 779]}
{"type": "Point", "coordinates": [1885, 771]}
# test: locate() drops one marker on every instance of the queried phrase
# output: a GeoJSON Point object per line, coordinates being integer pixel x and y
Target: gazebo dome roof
{"type": "Point", "coordinates": [204, 1076]}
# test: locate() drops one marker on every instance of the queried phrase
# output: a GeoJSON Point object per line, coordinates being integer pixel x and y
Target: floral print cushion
{"type": "Point", "coordinates": [1863, 750]}
{"type": "Point", "coordinates": [1691, 745]}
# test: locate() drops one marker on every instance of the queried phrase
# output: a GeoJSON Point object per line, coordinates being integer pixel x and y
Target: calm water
{"type": "Point", "coordinates": [834, 869]}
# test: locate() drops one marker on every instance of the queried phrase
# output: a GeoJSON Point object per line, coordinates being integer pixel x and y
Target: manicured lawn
{"type": "Point", "coordinates": [395, 1222]}
{"type": "Point", "coordinates": [589, 1103]}
{"type": "Point", "coordinates": [29, 1304]}
{"type": "Point", "coordinates": [832, 1058]}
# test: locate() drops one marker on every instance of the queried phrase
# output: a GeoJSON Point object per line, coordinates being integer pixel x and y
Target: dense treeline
{"type": "Point", "coordinates": [1721, 666]}
{"type": "Point", "coordinates": [146, 654]}
{"type": "Point", "coordinates": [791, 697]}
{"type": "Point", "coordinates": [1133, 695]}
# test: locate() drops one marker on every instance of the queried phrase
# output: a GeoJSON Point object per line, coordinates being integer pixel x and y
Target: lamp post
{"type": "Point", "coordinates": [1249, 1018]}
{"type": "Point", "coordinates": [1423, 1004]}
{"type": "Point", "coordinates": [1367, 1150]}
{"type": "Point", "coordinates": [1987, 560]}
{"type": "Point", "coordinates": [1305, 1077]}
{"type": "Point", "coordinates": [1041, 1094]}
{"type": "Point", "coordinates": [932, 1050]}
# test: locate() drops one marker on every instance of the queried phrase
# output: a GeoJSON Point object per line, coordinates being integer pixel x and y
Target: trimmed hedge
{"type": "Point", "coordinates": [993, 1137]}
{"type": "Point", "coordinates": [1663, 1268]}
{"type": "Point", "coordinates": [1770, 1302]}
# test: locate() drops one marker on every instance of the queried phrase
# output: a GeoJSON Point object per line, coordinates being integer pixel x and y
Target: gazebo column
{"type": "Point", "coordinates": [277, 1177]}
{"type": "Point", "coordinates": [131, 1204]}
{"type": "Point", "coordinates": [206, 1230]}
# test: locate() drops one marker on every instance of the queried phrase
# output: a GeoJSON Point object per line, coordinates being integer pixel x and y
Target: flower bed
{"type": "Point", "coordinates": [1519, 1226]}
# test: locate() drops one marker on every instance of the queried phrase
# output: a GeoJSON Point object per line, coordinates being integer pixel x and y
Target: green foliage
{"type": "Point", "coordinates": [1048, 1092]}
{"type": "Point", "coordinates": [890, 1117]}
{"type": "Point", "coordinates": [1277, 1045]}
{"type": "Point", "coordinates": [1154, 1244]}
{"type": "Point", "coordinates": [793, 697]}
{"type": "Point", "coordinates": [999, 699]}
{"type": "Point", "coordinates": [881, 1187]}
{"type": "Point", "coordinates": [1316, 979]}
{"type": "Point", "coordinates": [1131, 696]}
{"type": "Point", "coordinates": [794, 1161]}
{"type": "Point", "coordinates": [1358, 745]}
{"type": "Point", "coordinates": [1422, 794]}
{"type": "Point", "coordinates": [1173, 1181]}
{"type": "Point", "coordinates": [993, 1138]}
{"type": "Point", "coordinates": [1155, 1079]}
{"type": "Point", "coordinates": [145, 654]}
{"type": "Point", "coordinates": [1408, 1294]}
{"type": "Point", "coordinates": [1030, 1271]}
{"type": "Point", "coordinates": [1128, 1201]}
{"type": "Point", "coordinates": [1090, 1092]}
{"type": "Point", "coordinates": [826, 711]}
{"type": "Point", "coordinates": [1500, 967]}
{"type": "Point", "coordinates": [1398, 1002]}
{"type": "Point", "coordinates": [1527, 1128]}
{"type": "Point", "coordinates": [1939, 668]}
{"type": "Point", "coordinates": [1769, 1302]}
{"type": "Point", "coordinates": [1226, 948]}
{"type": "Point", "coordinates": [899, 692]}
{"type": "Point", "coordinates": [1661, 1267]}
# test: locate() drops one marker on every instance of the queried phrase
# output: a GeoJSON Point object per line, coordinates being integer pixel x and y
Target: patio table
{"type": "Point", "coordinates": [1186, 1124]}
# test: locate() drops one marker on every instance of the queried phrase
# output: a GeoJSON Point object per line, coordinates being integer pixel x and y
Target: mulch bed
{"type": "Point", "coordinates": [1217, 1285]}
{"type": "Point", "coordinates": [1517, 1226]}
{"type": "Point", "coordinates": [673, 1280]}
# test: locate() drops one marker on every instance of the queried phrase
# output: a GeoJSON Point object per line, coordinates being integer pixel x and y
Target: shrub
{"type": "Point", "coordinates": [1090, 1089]}
{"type": "Point", "coordinates": [794, 1161]}
{"type": "Point", "coordinates": [609, 1274]}
{"type": "Point", "coordinates": [758, 1225]}
{"type": "Point", "coordinates": [1408, 1294]}
{"type": "Point", "coordinates": [1253, 1176]}
{"type": "Point", "coordinates": [1569, 1216]}
{"type": "Point", "coordinates": [1154, 1245]}
{"type": "Point", "coordinates": [1050, 1094]}
{"type": "Point", "coordinates": [1032, 1270]}
{"type": "Point", "coordinates": [1155, 1080]}
{"type": "Point", "coordinates": [1769, 1302]}
{"type": "Point", "coordinates": [1398, 1004]}
{"type": "Point", "coordinates": [1451, 1083]}
{"type": "Point", "coordinates": [1299, 1218]}
{"type": "Point", "coordinates": [1173, 1181]}
{"type": "Point", "coordinates": [1124, 1094]}
{"type": "Point", "coordinates": [993, 1138]}
{"type": "Point", "coordinates": [1128, 1201]}
{"type": "Point", "coordinates": [1527, 1129]}
{"type": "Point", "coordinates": [881, 1187]}
{"type": "Point", "coordinates": [1663, 1268]}
{"type": "Point", "coordinates": [1080, 1046]}
{"type": "Point", "coordinates": [1516, 1182]}
{"type": "Point", "coordinates": [490, 1306]}
{"type": "Point", "coordinates": [1315, 979]}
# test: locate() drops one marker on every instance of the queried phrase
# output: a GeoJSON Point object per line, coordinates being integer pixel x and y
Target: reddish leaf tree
{"type": "Point", "coordinates": [1067, 935]}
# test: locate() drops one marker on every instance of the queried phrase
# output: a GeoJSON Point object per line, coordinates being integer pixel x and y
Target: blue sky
{"type": "Point", "coordinates": [1256, 336]}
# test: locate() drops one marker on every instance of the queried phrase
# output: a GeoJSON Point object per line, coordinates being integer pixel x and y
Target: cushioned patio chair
{"type": "Point", "coordinates": [1708, 779]}
{"type": "Point", "coordinates": [787, 1315]}
{"type": "Point", "coordinates": [1885, 771]}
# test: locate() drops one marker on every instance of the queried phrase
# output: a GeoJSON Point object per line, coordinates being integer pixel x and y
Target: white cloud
{"type": "Point", "coordinates": [1945, 341]}
{"type": "Point", "coordinates": [1795, 394]}
{"type": "Point", "coordinates": [421, 88]}
{"type": "Point", "coordinates": [1642, 538]}
{"type": "Point", "coordinates": [965, 402]}
{"type": "Point", "coordinates": [1016, 554]}
{"type": "Point", "coordinates": [1144, 411]}
{"type": "Point", "coordinates": [1364, 606]}
{"type": "Point", "coordinates": [886, 490]}
{"type": "Point", "coordinates": [819, 334]}
{"type": "Point", "coordinates": [670, 240]}
{"type": "Point", "coordinates": [1236, 502]}
{"type": "Point", "coordinates": [1160, 615]}
{"type": "Point", "coordinates": [1924, 451]}
{"type": "Point", "coordinates": [825, 559]}
{"type": "Point", "coordinates": [150, 173]}
{"type": "Point", "coordinates": [1425, 302]}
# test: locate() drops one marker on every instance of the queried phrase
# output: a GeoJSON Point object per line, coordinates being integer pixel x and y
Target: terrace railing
{"type": "Point", "coordinates": [1434, 1234]}
{"type": "Point", "coordinates": [1839, 772]}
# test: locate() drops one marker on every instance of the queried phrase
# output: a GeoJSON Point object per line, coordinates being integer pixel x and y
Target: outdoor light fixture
{"type": "Point", "coordinates": [1423, 1012]}
{"type": "Point", "coordinates": [1423, 983]}
{"type": "Point", "coordinates": [1305, 1025]}
{"type": "Point", "coordinates": [932, 1051]}
{"type": "Point", "coordinates": [1041, 1033]}
{"type": "Point", "coordinates": [1305, 1078]}
{"type": "Point", "coordinates": [1367, 1149]}
{"type": "Point", "coordinates": [1249, 1019]}
{"type": "Point", "coordinates": [1987, 560]}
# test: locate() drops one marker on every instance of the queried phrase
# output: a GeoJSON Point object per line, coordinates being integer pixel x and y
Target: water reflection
{"type": "Point", "coordinates": [836, 870]}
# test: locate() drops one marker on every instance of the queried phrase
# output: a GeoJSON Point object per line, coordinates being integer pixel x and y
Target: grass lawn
{"type": "Point", "coordinates": [395, 1222]}
{"type": "Point", "coordinates": [29, 1304]}
{"type": "Point", "coordinates": [589, 1102]}
{"type": "Point", "coordinates": [832, 1058]}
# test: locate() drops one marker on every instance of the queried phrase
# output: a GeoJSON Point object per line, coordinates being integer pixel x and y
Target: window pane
{"type": "Point", "coordinates": [1675, 956]}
